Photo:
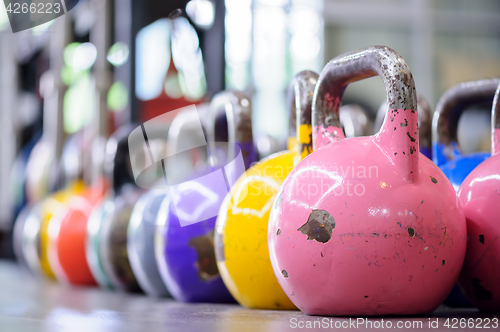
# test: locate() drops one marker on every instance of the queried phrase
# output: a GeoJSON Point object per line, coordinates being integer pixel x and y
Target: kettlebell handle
{"type": "Point", "coordinates": [399, 144]}
{"type": "Point", "coordinates": [237, 108]}
{"type": "Point", "coordinates": [424, 120]}
{"type": "Point", "coordinates": [100, 36]}
{"type": "Point", "coordinates": [448, 111]}
{"type": "Point", "coordinates": [299, 101]}
{"type": "Point", "coordinates": [117, 164]}
{"type": "Point", "coordinates": [495, 123]}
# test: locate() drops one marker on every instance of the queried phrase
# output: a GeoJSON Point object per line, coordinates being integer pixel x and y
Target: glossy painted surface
{"type": "Point", "coordinates": [30, 247]}
{"type": "Point", "coordinates": [366, 226]}
{"type": "Point", "coordinates": [241, 232]}
{"type": "Point", "coordinates": [140, 243]}
{"type": "Point", "coordinates": [69, 237]}
{"type": "Point", "coordinates": [409, 238]}
{"type": "Point", "coordinates": [122, 195]}
{"type": "Point", "coordinates": [18, 235]}
{"type": "Point", "coordinates": [446, 151]}
{"type": "Point", "coordinates": [457, 170]}
{"type": "Point", "coordinates": [188, 264]}
{"type": "Point", "coordinates": [241, 235]}
{"type": "Point", "coordinates": [113, 237]}
{"type": "Point", "coordinates": [189, 267]}
{"type": "Point", "coordinates": [184, 132]}
{"type": "Point", "coordinates": [424, 124]}
{"type": "Point", "coordinates": [479, 195]}
{"type": "Point", "coordinates": [93, 245]}
{"type": "Point", "coordinates": [49, 208]}
{"type": "Point", "coordinates": [52, 208]}
{"type": "Point", "coordinates": [480, 199]}
{"type": "Point", "coordinates": [142, 226]}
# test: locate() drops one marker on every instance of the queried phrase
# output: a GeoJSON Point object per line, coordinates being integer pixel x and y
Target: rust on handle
{"type": "Point", "coordinates": [299, 102]}
{"type": "Point", "coordinates": [451, 106]}
{"type": "Point", "coordinates": [401, 99]}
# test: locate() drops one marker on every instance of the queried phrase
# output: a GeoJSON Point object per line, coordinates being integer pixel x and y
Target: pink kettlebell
{"type": "Point", "coordinates": [365, 226]}
{"type": "Point", "coordinates": [480, 198]}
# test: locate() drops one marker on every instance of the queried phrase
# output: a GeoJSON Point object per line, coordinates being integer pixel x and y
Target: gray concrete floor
{"type": "Point", "coordinates": [29, 303]}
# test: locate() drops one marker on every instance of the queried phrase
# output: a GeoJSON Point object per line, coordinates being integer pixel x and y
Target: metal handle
{"type": "Point", "coordinates": [401, 142]}
{"type": "Point", "coordinates": [299, 100]}
{"type": "Point", "coordinates": [44, 173]}
{"type": "Point", "coordinates": [355, 121]}
{"type": "Point", "coordinates": [495, 124]}
{"type": "Point", "coordinates": [117, 162]}
{"type": "Point", "coordinates": [448, 111]}
{"type": "Point", "coordinates": [238, 111]}
{"type": "Point", "coordinates": [54, 99]}
{"type": "Point", "coordinates": [186, 143]}
{"type": "Point", "coordinates": [424, 120]}
{"type": "Point", "coordinates": [100, 36]}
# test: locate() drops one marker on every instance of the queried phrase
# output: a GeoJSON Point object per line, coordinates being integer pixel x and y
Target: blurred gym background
{"type": "Point", "coordinates": [169, 54]}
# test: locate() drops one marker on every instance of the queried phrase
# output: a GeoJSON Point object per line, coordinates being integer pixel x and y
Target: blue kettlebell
{"type": "Point", "coordinates": [446, 152]}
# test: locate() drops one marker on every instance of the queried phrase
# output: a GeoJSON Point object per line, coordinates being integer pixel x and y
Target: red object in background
{"type": "Point", "coordinates": [71, 241]}
{"type": "Point", "coordinates": [163, 104]}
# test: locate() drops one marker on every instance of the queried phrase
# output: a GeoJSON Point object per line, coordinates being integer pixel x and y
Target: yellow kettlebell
{"type": "Point", "coordinates": [49, 209]}
{"type": "Point", "coordinates": [241, 230]}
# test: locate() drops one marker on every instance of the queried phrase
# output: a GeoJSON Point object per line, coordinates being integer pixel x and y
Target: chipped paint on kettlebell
{"type": "Point", "coordinates": [206, 263]}
{"type": "Point", "coordinates": [393, 230]}
{"type": "Point", "coordinates": [244, 261]}
{"type": "Point", "coordinates": [319, 226]}
{"type": "Point", "coordinates": [480, 197]}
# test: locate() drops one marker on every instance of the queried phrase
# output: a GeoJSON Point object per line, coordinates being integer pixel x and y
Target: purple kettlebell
{"type": "Point", "coordinates": [188, 265]}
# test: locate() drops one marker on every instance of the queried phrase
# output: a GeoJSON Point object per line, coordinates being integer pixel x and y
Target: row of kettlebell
{"type": "Point", "coordinates": [364, 226]}
{"type": "Point", "coordinates": [395, 243]}
{"type": "Point", "coordinates": [104, 232]}
{"type": "Point", "coordinates": [360, 226]}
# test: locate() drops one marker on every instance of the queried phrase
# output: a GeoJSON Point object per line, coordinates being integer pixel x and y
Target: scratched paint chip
{"type": "Point", "coordinates": [206, 263]}
{"type": "Point", "coordinates": [278, 201]}
{"type": "Point", "coordinates": [319, 226]}
{"type": "Point", "coordinates": [411, 138]}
